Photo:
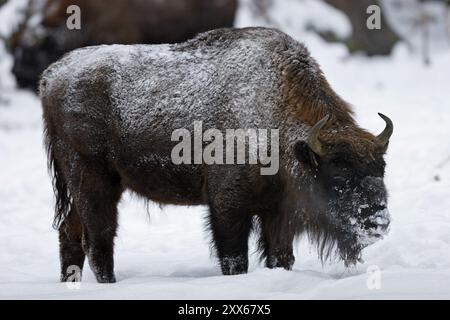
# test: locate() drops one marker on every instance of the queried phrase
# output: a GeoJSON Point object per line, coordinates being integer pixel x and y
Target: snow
{"type": "Point", "coordinates": [10, 15]}
{"type": "Point", "coordinates": [165, 253]}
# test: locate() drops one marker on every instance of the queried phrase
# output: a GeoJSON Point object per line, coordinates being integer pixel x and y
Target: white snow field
{"type": "Point", "coordinates": [165, 254]}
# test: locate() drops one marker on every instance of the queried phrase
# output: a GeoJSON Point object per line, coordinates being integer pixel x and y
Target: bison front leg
{"type": "Point", "coordinates": [230, 230]}
{"type": "Point", "coordinates": [70, 247]}
{"type": "Point", "coordinates": [276, 241]}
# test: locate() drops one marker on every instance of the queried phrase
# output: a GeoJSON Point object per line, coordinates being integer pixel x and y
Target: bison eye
{"type": "Point", "coordinates": [339, 180]}
{"type": "Point", "coordinates": [338, 185]}
{"type": "Point", "coordinates": [336, 161]}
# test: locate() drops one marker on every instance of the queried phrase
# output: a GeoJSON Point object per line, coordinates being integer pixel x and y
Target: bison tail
{"type": "Point", "coordinates": [60, 187]}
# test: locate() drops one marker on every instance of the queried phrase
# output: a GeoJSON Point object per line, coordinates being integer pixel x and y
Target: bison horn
{"type": "Point", "coordinates": [387, 132]}
{"type": "Point", "coordinates": [313, 138]}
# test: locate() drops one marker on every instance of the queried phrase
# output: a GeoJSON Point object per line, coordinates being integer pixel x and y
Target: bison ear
{"type": "Point", "coordinates": [304, 153]}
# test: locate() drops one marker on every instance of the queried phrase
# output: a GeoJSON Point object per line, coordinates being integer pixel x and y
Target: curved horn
{"type": "Point", "coordinates": [387, 132]}
{"type": "Point", "coordinates": [313, 137]}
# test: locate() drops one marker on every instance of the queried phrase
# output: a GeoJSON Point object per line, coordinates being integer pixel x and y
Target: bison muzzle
{"type": "Point", "coordinates": [109, 112]}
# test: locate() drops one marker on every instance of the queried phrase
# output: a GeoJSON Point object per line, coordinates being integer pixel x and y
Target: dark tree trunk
{"type": "Point", "coordinates": [372, 42]}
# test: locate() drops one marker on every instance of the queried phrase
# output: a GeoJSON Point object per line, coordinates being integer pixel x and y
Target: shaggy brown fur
{"type": "Point", "coordinates": [309, 97]}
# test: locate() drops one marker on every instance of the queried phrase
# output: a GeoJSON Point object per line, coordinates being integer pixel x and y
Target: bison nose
{"type": "Point", "coordinates": [374, 217]}
{"type": "Point", "coordinates": [369, 211]}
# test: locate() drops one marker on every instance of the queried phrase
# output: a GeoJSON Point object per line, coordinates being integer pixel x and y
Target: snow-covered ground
{"type": "Point", "coordinates": [166, 254]}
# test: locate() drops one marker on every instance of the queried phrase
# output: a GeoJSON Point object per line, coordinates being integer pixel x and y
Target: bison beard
{"type": "Point", "coordinates": [109, 112]}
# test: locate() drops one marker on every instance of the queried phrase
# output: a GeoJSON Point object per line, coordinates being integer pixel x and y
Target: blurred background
{"type": "Point", "coordinates": [36, 33]}
{"type": "Point", "coordinates": [401, 70]}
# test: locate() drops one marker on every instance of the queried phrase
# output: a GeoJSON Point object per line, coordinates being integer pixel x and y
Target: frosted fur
{"type": "Point", "coordinates": [171, 86]}
{"type": "Point", "coordinates": [144, 91]}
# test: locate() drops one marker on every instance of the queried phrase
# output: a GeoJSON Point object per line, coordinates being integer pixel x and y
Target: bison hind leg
{"type": "Point", "coordinates": [95, 188]}
{"type": "Point", "coordinates": [66, 218]}
{"type": "Point", "coordinates": [70, 247]}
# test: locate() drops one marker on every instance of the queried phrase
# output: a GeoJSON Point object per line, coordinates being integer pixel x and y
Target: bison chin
{"type": "Point", "coordinates": [357, 228]}
{"type": "Point", "coordinates": [353, 221]}
{"type": "Point", "coordinates": [346, 241]}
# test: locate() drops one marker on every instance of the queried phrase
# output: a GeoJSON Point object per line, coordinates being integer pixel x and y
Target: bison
{"type": "Point", "coordinates": [109, 114]}
{"type": "Point", "coordinates": [35, 47]}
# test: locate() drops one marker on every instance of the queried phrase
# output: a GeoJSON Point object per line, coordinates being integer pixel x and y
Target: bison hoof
{"type": "Point", "coordinates": [106, 279]}
{"type": "Point", "coordinates": [234, 265]}
{"type": "Point", "coordinates": [285, 261]}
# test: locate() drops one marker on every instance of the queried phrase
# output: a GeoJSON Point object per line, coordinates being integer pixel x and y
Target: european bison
{"type": "Point", "coordinates": [109, 114]}
{"type": "Point", "coordinates": [35, 47]}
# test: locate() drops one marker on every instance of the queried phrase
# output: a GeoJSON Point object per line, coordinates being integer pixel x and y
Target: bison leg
{"type": "Point", "coordinates": [276, 242]}
{"type": "Point", "coordinates": [70, 247]}
{"type": "Point", "coordinates": [230, 230]}
{"type": "Point", "coordinates": [96, 196]}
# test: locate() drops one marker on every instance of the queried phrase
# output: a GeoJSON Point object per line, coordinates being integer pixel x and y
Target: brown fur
{"type": "Point", "coordinates": [308, 97]}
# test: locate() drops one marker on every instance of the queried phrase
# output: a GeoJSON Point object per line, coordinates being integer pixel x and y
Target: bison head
{"type": "Point", "coordinates": [348, 197]}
